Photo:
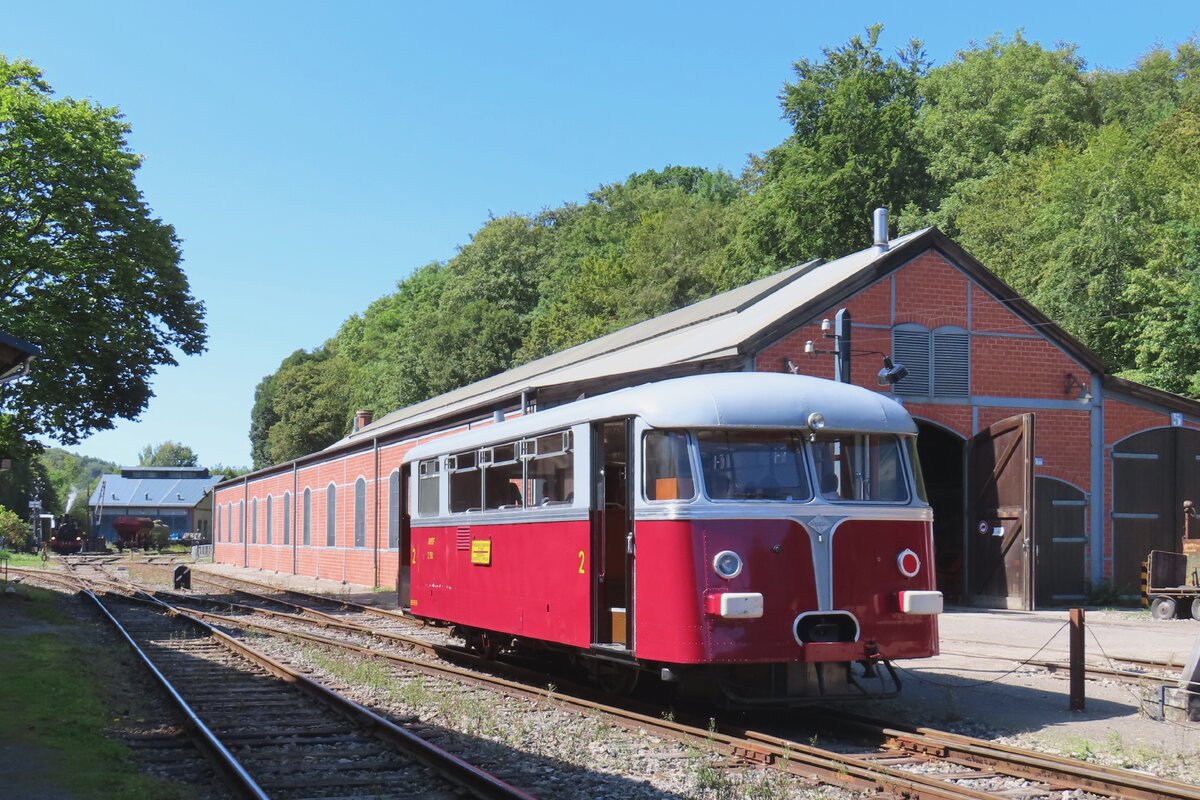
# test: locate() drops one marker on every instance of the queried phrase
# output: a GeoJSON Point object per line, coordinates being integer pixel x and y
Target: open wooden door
{"type": "Point", "coordinates": [1000, 497]}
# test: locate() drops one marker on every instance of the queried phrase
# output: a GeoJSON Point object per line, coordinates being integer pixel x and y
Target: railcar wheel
{"type": "Point", "coordinates": [616, 679]}
{"type": "Point", "coordinates": [1162, 607]}
{"type": "Point", "coordinates": [485, 644]}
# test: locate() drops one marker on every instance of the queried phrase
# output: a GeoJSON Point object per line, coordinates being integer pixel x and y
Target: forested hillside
{"type": "Point", "coordinates": [1079, 187]}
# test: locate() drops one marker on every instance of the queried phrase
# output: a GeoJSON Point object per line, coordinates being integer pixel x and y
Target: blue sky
{"type": "Point", "coordinates": [311, 155]}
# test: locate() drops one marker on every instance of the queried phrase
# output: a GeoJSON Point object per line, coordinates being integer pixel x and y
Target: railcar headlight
{"type": "Point", "coordinates": [816, 420]}
{"type": "Point", "coordinates": [727, 564]}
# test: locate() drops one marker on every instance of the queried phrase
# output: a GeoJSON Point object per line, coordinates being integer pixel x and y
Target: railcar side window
{"type": "Point", "coordinates": [860, 467]}
{"type": "Point", "coordinates": [668, 467]}
{"type": "Point", "coordinates": [753, 465]}
{"type": "Point", "coordinates": [428, 488]}
{"type": "Point", "coordinates": [466, 482]}
{"type": "Point", "coordinates": [503, 473]}
{"type": "Point", "coordinates": [550, 470]}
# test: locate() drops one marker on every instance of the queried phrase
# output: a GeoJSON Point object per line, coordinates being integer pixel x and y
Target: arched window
{"type": "Point", "coordinates": [254, 521]}
{"type": "Point", "coordinates": [287, 517]}
{"type": "Point", "coordinates": [241, 521]}
{"type": "Point", "coordinates": [270, 517]}
{"type": "Point", "coordinates": [331, 516]}
{"type": "Point", "coordinates": [229, 522]}
{"type": "Point", "coordinates": [360, 513]}
{"type": "Point", "coordinates": [307, 517]}
{"type": "Point", "coordinates": [394, 510]}
{"type": "Point", "coordinates": [217, 525]}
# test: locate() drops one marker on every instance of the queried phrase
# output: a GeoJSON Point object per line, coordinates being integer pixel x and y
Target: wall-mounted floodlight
{"type": "Point", "coordinates": [891, 373]}
{"type": "Point", "coordinates": [1070, 382]}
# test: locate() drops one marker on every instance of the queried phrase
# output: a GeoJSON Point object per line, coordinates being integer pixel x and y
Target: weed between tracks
{"type": "Point", "coordinates": [475, 713]}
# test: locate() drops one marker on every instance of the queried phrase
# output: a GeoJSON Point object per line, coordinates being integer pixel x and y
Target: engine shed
{"type": "Point", "coordinates": [1050, 478]}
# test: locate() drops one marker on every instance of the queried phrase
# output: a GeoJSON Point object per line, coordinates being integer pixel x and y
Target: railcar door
{"type": "Point", "coordinates": [612, 535]}
{"type": "Point", "coordinates": [1001, 543]}
{"type": "Point", "coordinates": [402, 515]}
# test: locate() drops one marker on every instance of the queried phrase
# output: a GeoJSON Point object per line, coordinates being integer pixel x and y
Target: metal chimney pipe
{"type": "Point", "coordinates": [497, 416]}
{"type": "Point", "coordinates": [881, 230]}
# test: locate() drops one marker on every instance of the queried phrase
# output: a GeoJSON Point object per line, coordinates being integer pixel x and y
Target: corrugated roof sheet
{"type": "Point", "coordinates": [157, 492]}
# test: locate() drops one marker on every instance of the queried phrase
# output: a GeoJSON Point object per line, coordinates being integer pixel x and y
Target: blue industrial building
{"type": "Point", "coordinates": [179, 496]}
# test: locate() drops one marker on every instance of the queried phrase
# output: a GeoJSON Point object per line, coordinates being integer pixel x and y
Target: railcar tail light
{"type": "Point", "coordinates": [908, 562]}
{"type": "Point", "coordinates": [727, 564]}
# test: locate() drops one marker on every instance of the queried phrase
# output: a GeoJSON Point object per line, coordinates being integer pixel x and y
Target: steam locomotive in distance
{"type": "Point", "coordinates": [757, 538]}
{"type": "Point", "coordinates": [67, 538]}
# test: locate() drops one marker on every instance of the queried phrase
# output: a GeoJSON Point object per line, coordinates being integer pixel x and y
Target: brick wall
{"type": "Point", "coordinates": [372, 565]}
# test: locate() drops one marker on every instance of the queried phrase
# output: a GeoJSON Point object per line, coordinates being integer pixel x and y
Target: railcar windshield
{"type": "Point", "coordinates": [753, 465]}
{"type": "Point", "coordinates": [860, 467]}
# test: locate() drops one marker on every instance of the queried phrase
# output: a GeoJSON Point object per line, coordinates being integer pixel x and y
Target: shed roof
{"type": "Point", "coordinates": [157, 492]}
{"type": "Point", "coordinates": [727, 325]}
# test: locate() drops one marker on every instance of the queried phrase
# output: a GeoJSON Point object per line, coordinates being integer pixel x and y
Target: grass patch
{"type": "Point", "coordinates": [368, 672]}
{"type": "Point", "coordinates": [55, 713]}
{"type": "Point", "coordinates": [26, 560]}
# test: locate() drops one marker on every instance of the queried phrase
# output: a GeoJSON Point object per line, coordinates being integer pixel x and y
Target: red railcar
{"type": "Point", "coordinates": [763, 538]}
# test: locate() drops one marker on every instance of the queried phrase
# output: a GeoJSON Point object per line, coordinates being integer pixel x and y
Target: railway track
{"type": "Point", "coordinates": [908, 762]}
{"type": "Point", "coordinates": [276, 733]}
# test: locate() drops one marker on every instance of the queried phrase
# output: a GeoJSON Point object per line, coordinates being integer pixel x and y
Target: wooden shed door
{"type": "Point", "coordinates": [1000, 496]}
{"type": "Point", "coordinates": [1060, 519]}
{"type": "Point", "coordinates": [1153, 473]}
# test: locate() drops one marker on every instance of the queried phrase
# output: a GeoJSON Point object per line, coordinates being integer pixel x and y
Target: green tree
{"type": "Point", "coordinates": [648, 245]}
{"type": "Point", "coordinates": [72, 478]}
{"type": "Point", "coordinates": [168, 454]}
{"type": "Point", "coordinates": [1150, 93]}
{"type": "Point", "coordinates": [853, 148]}
{"type": "Point", "coordinates": [225, 473]}
{"type": "Point", "coordinates": [86, 272]}
{"type": "Point", "coordinates": [15, 533]}
{"type": "Point", "coordinates": [312, 402]}
{"type": "Point", "coordinates": [263, 414]}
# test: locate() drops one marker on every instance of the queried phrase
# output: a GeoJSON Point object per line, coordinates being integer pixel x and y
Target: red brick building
{"type": "Point", "coordinates": [1049, 477]}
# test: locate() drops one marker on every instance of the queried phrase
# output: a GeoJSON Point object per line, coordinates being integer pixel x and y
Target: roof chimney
{"type": "Point", "coordinates": [362, 418]}
{"type": "Point", "coordinates": [881, 230]}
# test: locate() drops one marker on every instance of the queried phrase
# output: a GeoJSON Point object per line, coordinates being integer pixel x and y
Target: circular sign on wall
{"type": "Point", "coordinates": [983, 526]}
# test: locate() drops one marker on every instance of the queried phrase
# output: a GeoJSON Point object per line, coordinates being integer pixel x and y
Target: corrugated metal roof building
{"type": "Point", "coordinates": [180, 496]}
{"type": "Point", "coordinates": [1102, 483]}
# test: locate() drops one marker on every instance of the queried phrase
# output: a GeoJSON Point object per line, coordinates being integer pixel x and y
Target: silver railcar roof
{"type": "Point", "coordinates": [730, 399]}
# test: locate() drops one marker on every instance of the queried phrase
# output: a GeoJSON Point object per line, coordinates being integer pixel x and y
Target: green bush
{"type": "Point", "coordinates": [14, 531]}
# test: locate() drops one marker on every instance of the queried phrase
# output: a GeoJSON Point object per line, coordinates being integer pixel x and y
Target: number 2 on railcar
{"type": "Point", "coordinates": [759, 538]}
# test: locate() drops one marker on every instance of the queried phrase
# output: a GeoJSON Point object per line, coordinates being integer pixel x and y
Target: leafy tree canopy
{"type": "Point", "coordinates": [168, 454]}
{"type": "Point", "coordinates": [854, 147]}
{"type": "Point", "coordinates": [72, 478]}
{"type": "Point", "coordinates": [86, 272]}
{"type": "Point", "coordinates": [1077, 187]}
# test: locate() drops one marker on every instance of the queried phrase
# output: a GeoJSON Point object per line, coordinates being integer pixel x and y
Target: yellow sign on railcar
{"type": "Point", "coordinates": [481, 552]}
